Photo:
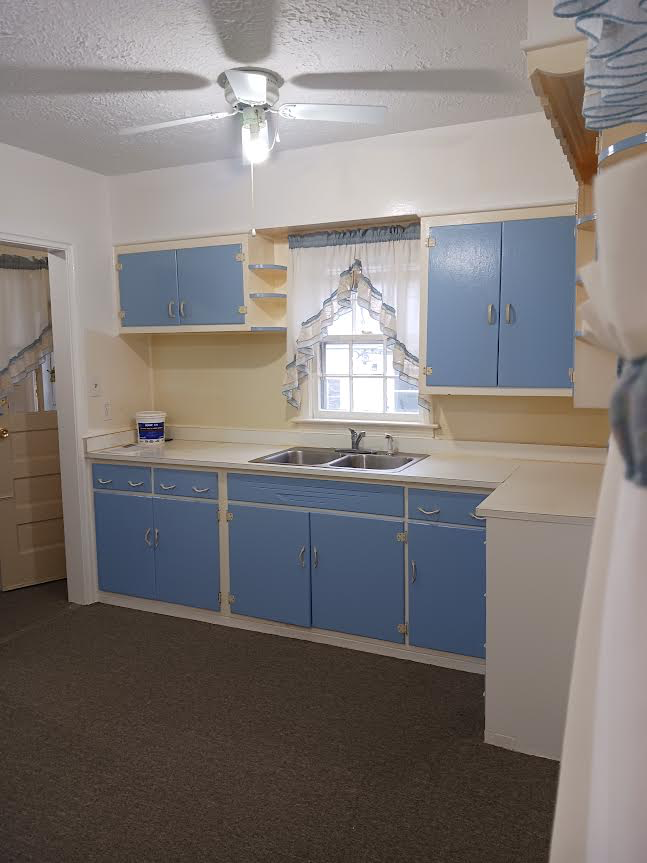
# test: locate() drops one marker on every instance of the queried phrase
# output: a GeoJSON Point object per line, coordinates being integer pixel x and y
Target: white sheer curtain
{"type": "Point", "coordinates": [25, 326]}
{"type": "Point", "coordinates": [602, 797]}
{"type": "Point", "coordinates": [326, 269]}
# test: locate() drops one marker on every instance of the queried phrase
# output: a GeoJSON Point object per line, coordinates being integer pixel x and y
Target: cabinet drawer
{"type": "Point", "coordinates": [121, 477]}
{"type": "Point", "coordinates": [186, 483]}
{"type": "Point", "coordinates": [450, 507]}
{"type": "Point", "coordinates": [317, 494]}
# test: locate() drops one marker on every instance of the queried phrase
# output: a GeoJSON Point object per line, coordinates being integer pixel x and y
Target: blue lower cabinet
{"type": "Point", "coordinates": [357, 575]}
{"type": "Point", "coordinates": [447, 588]}
{"type": "Point", "coordinates": [269, 563]}
{"type": "Point", "coordinates": [187, 552]}
{"type": "Point", "coordinates": [125, 540]}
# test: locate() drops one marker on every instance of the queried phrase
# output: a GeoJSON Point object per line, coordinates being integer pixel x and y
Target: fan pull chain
{"type": "Point", "coordinates": [253, 213]}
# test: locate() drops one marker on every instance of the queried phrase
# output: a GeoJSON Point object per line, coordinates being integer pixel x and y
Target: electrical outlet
{"type": "Point", "coordinates": [94, 388]}
{"type": "Point", "coordinates": [107, 410]}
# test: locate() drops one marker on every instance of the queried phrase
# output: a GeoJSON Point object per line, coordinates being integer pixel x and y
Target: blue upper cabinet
{"type": "Point", "coordinates": [463, 305]}
{"type": "Point", "coordinates": [211, 286]}
{"type": "Point", "coordinates": [148, 289]}
{"type": "Point", "coordinates": [537, 303]}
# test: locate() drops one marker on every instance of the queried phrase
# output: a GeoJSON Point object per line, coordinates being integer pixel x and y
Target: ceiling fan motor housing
{"type": "Point", "coordinates": [273, 83]}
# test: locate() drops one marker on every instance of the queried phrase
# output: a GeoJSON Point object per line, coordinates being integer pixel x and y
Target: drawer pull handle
{"type": "Point", "coordinates": [478, 517]}
{"type": "Point", "coordinates": [315, 557]}
{"type": "Point", "coordinates": [171, 313]}
{"type": "Point", "coordinates": [147, 537]}
{"type": "Point", "coordinates": [182, 305]}
{"type": "Point", "coordinates": [302, 557]}
{"type": "Point", "coordinates": [157, 537]}
{"type": "Point", "coordinates": [199, 490]}
{"type": "Point", "coordinates": [166, 487]}
{"type": "Point", "coordinates": [134, 484]}
{"type": "Point", "coordinates": [104, 481]}
{"type": "Point", "coordinates": [428, 511]}
{"type": "Point", "coordinates": [414, 572]}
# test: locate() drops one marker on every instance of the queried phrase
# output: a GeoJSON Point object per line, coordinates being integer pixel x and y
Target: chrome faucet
{"type": "Point", "coordinates": [355, 439]}
{"type": "Point", "coordinates": [391, 447]}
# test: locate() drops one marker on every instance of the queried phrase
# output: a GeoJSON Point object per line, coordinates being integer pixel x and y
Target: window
{"type": "Point", "coordinates": [355, 375]}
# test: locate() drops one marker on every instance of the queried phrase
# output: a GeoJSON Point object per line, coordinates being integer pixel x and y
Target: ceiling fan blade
{"type": "Point", "coordinates": [250, 87]}
{"type": "Point", "coordinates": [53, 80]}
{"type": "Point", "coordinates": [169, 124]}
{"type": "Point", "coordinates": [472, 80]}
{"type": "Point", "coordinates": [244, 28]}
{"type": "Point", "coordinates": [374, 114]}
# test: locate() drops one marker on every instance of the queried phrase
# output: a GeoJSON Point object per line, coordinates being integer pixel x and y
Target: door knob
{"type": "Point", "coordinates": [4, 433]}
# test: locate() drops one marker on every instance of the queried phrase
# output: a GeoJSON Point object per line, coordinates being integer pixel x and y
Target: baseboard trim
{"type": "Point", "coordinates": [472, 665]}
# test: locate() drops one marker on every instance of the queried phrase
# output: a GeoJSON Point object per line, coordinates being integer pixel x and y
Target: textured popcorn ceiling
{"type": "Point", "coordinates": [179, 36]}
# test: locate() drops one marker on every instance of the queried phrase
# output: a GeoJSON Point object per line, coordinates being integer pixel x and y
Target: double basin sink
{"type": "Point", "coordinates": [343, 459]}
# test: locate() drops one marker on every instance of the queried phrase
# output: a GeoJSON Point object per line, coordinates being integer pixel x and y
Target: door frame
{"type": "Point", "coordinates": [70, 408]}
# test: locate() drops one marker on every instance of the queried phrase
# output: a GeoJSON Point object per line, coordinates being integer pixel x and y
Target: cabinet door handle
{"type": "Point", "coordinates": [414, 572]}
{"type": "Point", "coordinates": [478, 517]}
{"type": "Point", "coordinates": [147, 537]}
{"type": "Point", "coordinates": [170, 309]}
{"type": "Point", "coordinates": [428, 511]}
{"type": "Point", "coordinates": [315, 557]}
{"type": "Point", "coordinates": [166, 487]}
{"type": "Point", "coordinates": [134, 484]}
{"type": "Point", "coordinates": [199, 490]}
{"type": "Point", "coordinates": [157, 537]}
{"type": "Point", "coordinates": [182, 304]}
{"type": "Point", "coordinates": [302, 557]}
{"type": "Point", "coordinates": [508, 313]}
{"type": "Point", "coordinates": [490, 313]}
{"type": "Point", "coordinates": [104, 481]}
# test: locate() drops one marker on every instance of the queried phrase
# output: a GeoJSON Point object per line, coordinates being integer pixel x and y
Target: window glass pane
{"type": "Point", "coordinates": [401, 397]}
{"type": "Point", "coordinates": [335, 394]}
{"type": "Point", "coordinates": [364, 323]}
{"type": "Point", "coordinates": [343, 326]}
{"type": "Point", "coordinates": [368, 359]}
{"type": "Point", "coordinates": [336, 359]}
{"type": "Point", "coordinates": [368, 395]}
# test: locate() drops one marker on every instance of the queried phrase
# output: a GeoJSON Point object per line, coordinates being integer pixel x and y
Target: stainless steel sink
{"type": "Point", "coordinates": [302, 456]}
{"type": "Point", "coordinates": [340, 459]}
{"type": "Point", "coordinates": [374, 461]}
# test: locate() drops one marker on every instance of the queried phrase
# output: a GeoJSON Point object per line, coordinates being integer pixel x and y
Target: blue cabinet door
{"type": "Point", "coordinates": [446, 588]}
{"type": "Point", "coordinates": [187, 552]}
{"type": "Point", "coordinates": [537, 303]}
{"type": "Point", "coordinates": [148, 289]}
{"type": "Point", "coordinates": [210, 283]}
{"type": "Point", "coordinates": [357, 575]}
{"type": "Point", "coordinates": [463, 305]}
{"type": "Point", "coordinates": [269, 563]}
{"type": "Point", "coordinates": [124, 532]}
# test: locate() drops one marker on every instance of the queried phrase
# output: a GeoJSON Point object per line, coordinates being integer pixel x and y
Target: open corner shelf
{"type": "Point", "coordinates": [586, 223]}
{"type": "Point", "coordinates": [281, 268]}
{"type": "Point", "coordinates": [268, 295]}
{"type": "Point", "coordinates": [622, 146]}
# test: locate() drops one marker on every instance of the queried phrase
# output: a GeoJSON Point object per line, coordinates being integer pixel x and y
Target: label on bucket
{"type": "Point", "coordinates": [151, 431]}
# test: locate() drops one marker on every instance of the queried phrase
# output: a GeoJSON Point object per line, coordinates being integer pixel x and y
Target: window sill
{"type": "Point", "coordinates": [375, 423]}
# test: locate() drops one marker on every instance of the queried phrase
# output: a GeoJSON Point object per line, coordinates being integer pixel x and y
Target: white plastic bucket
{"type": "Point", "coordinates": [150, 426]}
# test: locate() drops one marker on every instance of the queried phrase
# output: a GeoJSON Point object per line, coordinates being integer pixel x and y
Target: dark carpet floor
{"type": "Point", "coordinates": [27, 606]}
{"type": "Point", "coordinates": [129, 736]}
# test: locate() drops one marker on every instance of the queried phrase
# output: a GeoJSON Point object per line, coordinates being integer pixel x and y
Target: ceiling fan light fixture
{"type": "Point", "coordinates": [255, 136]}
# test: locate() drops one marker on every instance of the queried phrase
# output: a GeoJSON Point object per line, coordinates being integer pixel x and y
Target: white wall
{"type": "Point", "coordinates": [511, 162]}
{"type": "Point", "coordinates": [55, 204]}
{"type": "Point", "coordinates": [544, 27]}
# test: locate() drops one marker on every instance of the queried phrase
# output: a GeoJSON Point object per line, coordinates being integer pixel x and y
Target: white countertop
{"type": "Point", "coordinates": [539, 490]}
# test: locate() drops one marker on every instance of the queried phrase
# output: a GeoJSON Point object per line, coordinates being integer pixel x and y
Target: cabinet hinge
{"type": "Point", "coordinates": [401, 536]}
{"type": "Point", "coordinates": [242, 310]}
{"type": "Point", "coordinates": [122, 315]}
{"type": "Point", "coordinates": [230, 516]}
{"type": "Point", "coordinates": [403, 628]}
{"type": "Point", "coordinates": [571, 375]}
{"type": "Point", "coordinates": [119, 267]}
{"type": "Point", "coordinates": [431, 242]}
{"type": "Point", "coordinates": [220, 597]}
{"type": "Point", "coordinates": [231, 598]}
{"type": "Point", "coordinates": [428, 370]}
{"type": "Point", "coordinates": [240, 256]}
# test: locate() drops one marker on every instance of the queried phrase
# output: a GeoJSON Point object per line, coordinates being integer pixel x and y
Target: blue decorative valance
{"type": "Point", "coordinates": [615, 73]}
{"type": "Point", "coordinates": [378, 234]}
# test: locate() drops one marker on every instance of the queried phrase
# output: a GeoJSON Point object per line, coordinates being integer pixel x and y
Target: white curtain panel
{"type": "Point", "coordinates": [601, 814]}
{"type": "Point", "coordinates": [615, 72]}
{"type": "Point", "coordinates": [25, 327]}
{"type": "Point", "coordinates": [386, 278]}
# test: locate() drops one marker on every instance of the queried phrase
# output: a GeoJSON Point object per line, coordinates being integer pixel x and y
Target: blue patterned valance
{"type": "Point", "coordinates": [379, 234]}
{"type": "Point", "coordinates": [615, 74]}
